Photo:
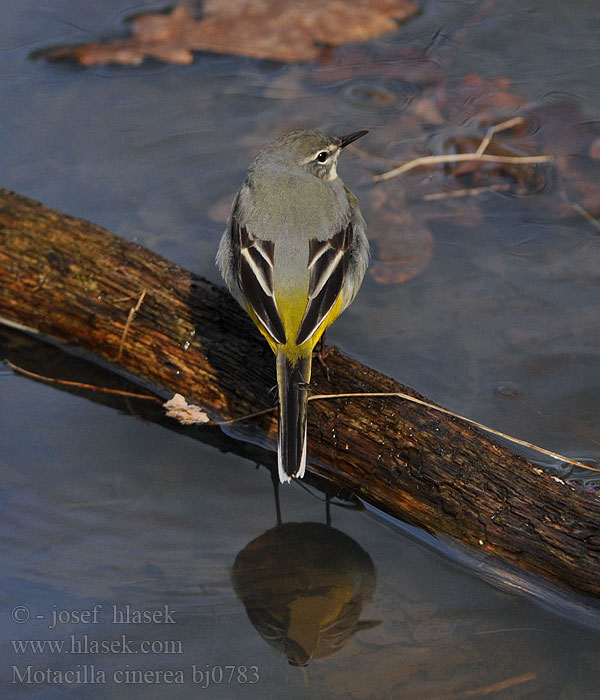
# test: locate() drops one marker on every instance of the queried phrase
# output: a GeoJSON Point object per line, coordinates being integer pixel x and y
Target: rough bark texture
{"type": "Point", "coordinates": [75, 283]}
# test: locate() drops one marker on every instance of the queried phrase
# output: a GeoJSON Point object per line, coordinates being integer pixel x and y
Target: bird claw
{"type": "Point", "coordinates": [302, 386]}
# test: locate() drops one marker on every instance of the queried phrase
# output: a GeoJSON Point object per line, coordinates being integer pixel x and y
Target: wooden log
{"type": "Point", "coordinates": [75, 283]}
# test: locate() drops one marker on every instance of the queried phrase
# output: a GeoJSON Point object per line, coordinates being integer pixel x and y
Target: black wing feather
{"type": "Point", "coordinates": [328, 264]}
{"type": "Point", "coordinates": [254, 260]}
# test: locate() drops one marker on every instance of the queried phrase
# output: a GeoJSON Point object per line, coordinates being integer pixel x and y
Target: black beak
{"type": "Point", "coordinates": [349, 138]}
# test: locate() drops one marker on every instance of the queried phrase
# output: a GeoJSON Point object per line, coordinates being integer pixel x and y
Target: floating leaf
{"type": "Point", "coordinates": [281, 30]}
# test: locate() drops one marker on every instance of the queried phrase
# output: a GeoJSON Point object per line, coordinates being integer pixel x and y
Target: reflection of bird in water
{"type": "Point", "coordinates": [304, 586]}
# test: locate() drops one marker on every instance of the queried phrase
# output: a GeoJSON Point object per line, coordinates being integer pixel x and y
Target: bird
{"type": "Point", "coordinates": [294, 254]}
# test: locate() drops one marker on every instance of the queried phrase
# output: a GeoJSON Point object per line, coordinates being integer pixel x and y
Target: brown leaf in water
{"type": "Point", "coordinates": [281, 30]}
{"type": "Point", "coordinates": [489, 100]}
{"type": "Point", "coordinates": [568, 133]}
{"type": "Point", "coordinates": [403, 245]}
{"type": "Point", "coordinates": [388, 62]}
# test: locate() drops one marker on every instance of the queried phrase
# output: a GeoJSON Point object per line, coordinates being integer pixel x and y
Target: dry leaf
{"type": "Point", "coordinates": [281, 30]}
{"type": "Point", "coordinates": [187, 414]}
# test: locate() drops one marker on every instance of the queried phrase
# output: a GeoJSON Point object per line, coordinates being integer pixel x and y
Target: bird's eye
{"type": "Point", "coordinates": [322, 156]}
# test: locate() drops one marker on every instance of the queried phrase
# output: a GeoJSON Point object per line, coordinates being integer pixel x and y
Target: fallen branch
{"type": "Point", "coordinates": [63, 279]}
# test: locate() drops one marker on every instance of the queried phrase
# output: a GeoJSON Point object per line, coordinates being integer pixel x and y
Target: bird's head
{"type": "Point", "coordinates": [313, 151]}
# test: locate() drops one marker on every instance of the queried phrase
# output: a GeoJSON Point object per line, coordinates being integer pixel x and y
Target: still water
{"type": "Point", "coordinates": [106, 516]}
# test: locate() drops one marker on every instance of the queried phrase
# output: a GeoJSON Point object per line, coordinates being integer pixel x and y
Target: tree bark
{"type": "Point", "coordinates": [75, 283]}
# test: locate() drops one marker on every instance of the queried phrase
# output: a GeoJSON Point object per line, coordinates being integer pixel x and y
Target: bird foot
{"type": "Point", "coordinates": [322, 354]}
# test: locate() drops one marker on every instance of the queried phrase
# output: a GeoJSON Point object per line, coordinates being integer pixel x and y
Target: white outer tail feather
{"type": "Point", "coordinates": [286, 478]}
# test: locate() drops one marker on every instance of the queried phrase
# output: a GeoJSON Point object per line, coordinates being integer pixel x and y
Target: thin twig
{"type": "Point", "coordinates": [467, 192]}
{"type": "Point", "coordinates": [478, 155]}
{"type": "Point", "coordinates": [431, 406]}
{"type": "Point", "coordinates": [120, 300]}
{"type": "Point", "coordinates": [586, 215]}
{"type": "Point", "coordinates": [406, 397]}
{"type": "Point", "coordinates": [459, 157]}
{"type": "Point", "coordinates": [244, 417]}
{"type": "Point", "coordinates": [496, 128]}
{"type": "Point", "coordinates": [132, 312]}
{"type": "Point", "coordinates": [502, 685]}
{"type": "Point", "coordinates": [81, 385]}
{"type": "Point", "coordinates": [487, 429]}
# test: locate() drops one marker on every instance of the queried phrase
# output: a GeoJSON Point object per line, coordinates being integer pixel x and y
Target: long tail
{"type": "Point", "coordinates": [292, 380]}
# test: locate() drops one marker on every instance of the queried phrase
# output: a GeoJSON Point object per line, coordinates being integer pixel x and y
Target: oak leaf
{"type": "Point", "coordinates": [281, 30]}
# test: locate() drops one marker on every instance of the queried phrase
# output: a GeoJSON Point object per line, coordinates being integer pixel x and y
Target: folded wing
{"type": "Point", "coordinates": [328, 263]}
{"type": "Point", "coordinates": [255, 259]}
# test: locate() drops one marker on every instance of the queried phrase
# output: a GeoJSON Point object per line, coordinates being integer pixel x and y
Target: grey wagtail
{"type": "Point", "coordinates": [294, 255]}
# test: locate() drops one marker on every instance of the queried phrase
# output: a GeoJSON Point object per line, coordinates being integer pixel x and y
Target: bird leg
{"type": "Point", "coordinates": [321, 354]}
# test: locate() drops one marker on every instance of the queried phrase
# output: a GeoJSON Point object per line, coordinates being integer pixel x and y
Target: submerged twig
{"type": "Point", "coordinates": [81, 385]}
{"type": "Point", "coordinates": [466, 192]}
{"type": "Point", "coordinates": [495, 129]}
{"type": "Point", "coordinates": [501, 685]}
{"type": "Point", "coordinates": [456, 158]}
{"type": "Point", "coordinates": [478, 155]}
{"type": "Point", "coordinates": [586, 215]}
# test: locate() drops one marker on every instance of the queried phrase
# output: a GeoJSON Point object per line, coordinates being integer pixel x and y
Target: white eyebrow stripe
{"type": "Point", "coordinates": [258, 273]}
{"type": "Point", "coordinates": [327, 273]}
{"type": "Point", "coordinates": [330, 149]}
